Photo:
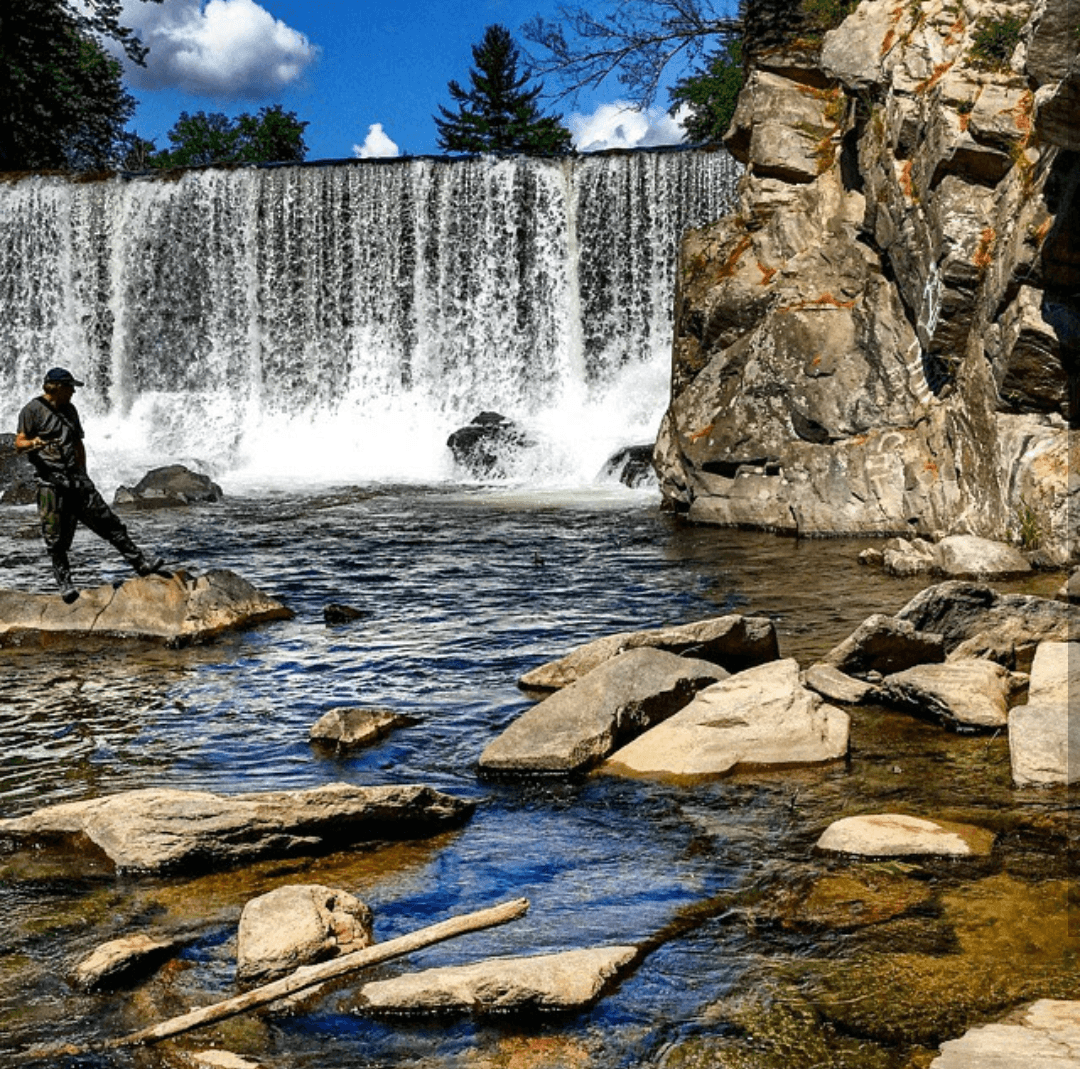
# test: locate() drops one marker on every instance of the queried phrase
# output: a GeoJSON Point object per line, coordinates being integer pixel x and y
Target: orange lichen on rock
{"type": "Point", "coordinates": [1023, 112]}
{"type": "Point", "coordinates": [939, 72]}
{"type": "Point", "coordinates": [906, 183]}
{"type": "Point", "coordinates": [984, 251]}
{"type": "Point", "coordinates": [766, 273]}
{"type": "Point", "coordinates": [956, 31]}
{"type": "Point", "coordinates": [694, 436]}
{"type": "Point", "coordinates": [727, 268]}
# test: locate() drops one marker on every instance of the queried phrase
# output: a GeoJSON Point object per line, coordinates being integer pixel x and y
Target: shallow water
{"type": "Point", "coordinates": [463, 592]}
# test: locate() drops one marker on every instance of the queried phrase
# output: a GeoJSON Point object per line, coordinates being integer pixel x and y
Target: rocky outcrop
{"type": "Point", "coordinates": [881, 338]}
{"type": "Point", "coordinates": [955, 556]}
{"type": "Point", "coordinates": [567, 981]}
{"type": "Point", "coordinates": [181, 609]}
{"type": "Point", "coordinates": [899, 835]}
{"type": "Point", "coordinates": [159, 830]}
{"type": "Point", "coordinates": [760, 717]}
{"type": "Point", "coordinates": [733, 642]}
{"type": "Point", "coordinates": [582, 723]}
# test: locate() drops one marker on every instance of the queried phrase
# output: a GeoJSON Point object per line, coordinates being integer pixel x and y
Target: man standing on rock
{"type": "Point", "coordinates": [52, 436]}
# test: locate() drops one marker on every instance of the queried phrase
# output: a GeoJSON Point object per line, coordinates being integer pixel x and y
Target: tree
{"type": "Point", "coordinates": [272, 136]}
{"type": "Point", "coordinates": [635, 41]}
{"type": "Point", "coordinates": [498, 114]}
{"type": "Point", "coordinates": [62, 101]}
{"type": "Point", "coordinates": [710, 95]}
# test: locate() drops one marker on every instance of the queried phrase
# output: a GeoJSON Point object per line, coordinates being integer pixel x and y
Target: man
{"type": "Point", "coordinates": [52, 436]}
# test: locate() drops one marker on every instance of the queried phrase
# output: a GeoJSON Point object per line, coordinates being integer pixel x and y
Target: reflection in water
{"type": "Point", "coordinates": [462, 592]}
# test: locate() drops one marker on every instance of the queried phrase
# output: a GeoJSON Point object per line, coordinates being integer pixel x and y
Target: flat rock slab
{"type": "Point", "coordinates": [963, 694]}
{"type": "Point", "coordinates": [760, 717]}
{"type": "Point", "coordinates": [837, 686]}
{"type": "Point", "coordinates": [1046, 1035]}
{"type": "Point", "coordinates": [733, 642]}
{"type": "Point", "coordinates": [565, 981]}
{"type": "Point", "coordinates": [158, 830]}
{"type": "Point", "coordinates": [1044, 734]}
{"type": "Point", "coordinates": [347, 728]}
{"type": "Point", "coordinates": [180, 610]}
{"type": "Point", "coordinates": [885, 644]}
{"type": "Point", "coordinates": [898, 835]}
{"type": "Point", "coordinates": [113, 963]}
{"type": "Point", "coordinates": [579, 725]}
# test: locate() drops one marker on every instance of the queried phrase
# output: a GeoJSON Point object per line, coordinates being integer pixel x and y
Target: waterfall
{"type": "Point", "coordinates": [335, 322]}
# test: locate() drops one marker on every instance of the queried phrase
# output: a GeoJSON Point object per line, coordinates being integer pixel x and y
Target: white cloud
{"type": "Point", "coordinates": [621, 125]}
{"type": "Point", "coordinates": [376, 144]}
{"type": "Point", "coordinates": [223, 48]}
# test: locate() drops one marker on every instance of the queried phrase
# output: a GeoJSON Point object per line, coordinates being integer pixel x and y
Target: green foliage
{"type": "Point", "coordinates": [711, 94]}
{"type": "Point", "coordinates": [995, 41]}
{"type": "Point", "coordinates": [272, 136]}
{"type": "Point", "coordinates": [826, 15]}
{"type": "Point", "coordinates": [62, 102]}
{"type": "Point", "coordinates": [1028, 525]}
{"type": "Point", "coordinates": [498, 113]}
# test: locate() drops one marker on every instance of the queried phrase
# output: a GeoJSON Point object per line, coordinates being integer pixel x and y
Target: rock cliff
{"type": "Point", "coordinates": [883, 337]}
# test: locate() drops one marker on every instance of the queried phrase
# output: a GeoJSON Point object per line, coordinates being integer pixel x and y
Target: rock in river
{"type": "Point", "coordinates": [581, 724]}
{"type": "Point", "coordinates": [1045, 1035]}
{"type": "Point", "coordinates": [563, 981]}
{"type": "Point", "coordinates": [157, 830]}
{"type": "Point", "coordinates": [182, 609]}
{"type": "Point", "coordinates": [962, 694]}
{"type": "Point", "coordinates": [763, 716]}
{"type": "Point", "coordinates": [899, 835]}
{"type": "Point", "coordinates": [1044, 735]}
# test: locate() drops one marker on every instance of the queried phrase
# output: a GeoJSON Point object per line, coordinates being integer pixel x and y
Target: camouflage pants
{"type": "Point", "coordinates": [62, 510]}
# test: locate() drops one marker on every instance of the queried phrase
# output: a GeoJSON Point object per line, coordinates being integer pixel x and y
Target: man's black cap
{"type": "Point", "coordinates": [61, 375]}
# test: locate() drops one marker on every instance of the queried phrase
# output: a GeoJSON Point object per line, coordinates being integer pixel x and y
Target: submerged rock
{"type": "Point", "coordinates": [486, 447]}
{"type": "Point", "coordinates": [763, 716]}
{"type": "Point", "coordinates": [298, 925]}
{"type": "Point", "coordinates": [117, 961]}
{"type": "Point", "coordinates": [173, 486]}
{"type": "Point", "coordinates": [1044, 735]}
{"type": "Point", "coordinates": [158, 830]}
{"type": "Point", "coordinates": [899, 835]}
{"type": "Point", "coordinates": [733, 642]}
{"type": "Point", "coordinates": [181, 609]}
{"type": "Point", "coordinates": [566, 981]}
{"type": "Point", "coordinates": [1046, 1034]}
{"type": "Point", "coordinates": [582, 723]}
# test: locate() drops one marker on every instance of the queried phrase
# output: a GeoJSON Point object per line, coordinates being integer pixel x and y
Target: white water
{"type": "Point", "coordinates": [321, 325]}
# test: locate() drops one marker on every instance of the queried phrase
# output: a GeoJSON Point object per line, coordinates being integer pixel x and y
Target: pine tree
{"type": "Point", "coordinates": [498, 113]}
{"type": "Point", "coordinates": [710, 94]}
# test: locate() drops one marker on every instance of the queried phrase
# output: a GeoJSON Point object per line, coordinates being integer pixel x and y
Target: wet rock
{"type": "Point", "coordinates": [962, 694]}
{"type": "Point", "coordinates": [218, 1059]}
{"type": "Point", "coordinates": [848, 900]}
{"type": "Point", "coordinates": [170, 487]}
{"type": "Point", "coordinates": [346, 728]}
{"type": "Point", "coordinates": [1070, 591]}
{"type": "Point", "coordinates": [632, 466]}
{"type": "Point", "coordinates": [120, 960]}
{"type": "Point", "coordinates": [760, 717]}
{"type": "Point", "coordinates": [486, 447]}
{"type": "Point", "coordinates": [733, 642]}
{"type": "Point", "coordinates": [836, 686]}
{"type": "Point", "coordinates": [181, 609]}
{"type": "Point", "coordinates": [582, 723]}
{"type": "Point", "coordinates": [566, 981]}
{"type": "Point", "coordinates": [1044, 736]}
{"type": "Point", "coordinates": [885, 644]}
{"type": "Point", "coordinates": [904, 558]}
{"type": "Point", "coordinates": [1044, 1034]}
{"type": "Point", "coordinates": [158, 830]}
{"type": "Point", "coordinates": [298, 925]}
{"type": "Point", "coordinates": [899, 835]}
{"type": "Point", "coordinates": [18, 484]}
{"type": "Point", "coordinates": [975, 620]}
{"type": "Point", "coordinates": [342, 614]}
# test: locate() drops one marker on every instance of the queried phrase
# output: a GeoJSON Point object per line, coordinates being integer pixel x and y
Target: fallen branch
{"type": "Point", "coordinates": [311, 975]}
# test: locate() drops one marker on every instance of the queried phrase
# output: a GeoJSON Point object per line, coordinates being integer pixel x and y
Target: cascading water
{"type": "Point", "coordinates": [334, 323]}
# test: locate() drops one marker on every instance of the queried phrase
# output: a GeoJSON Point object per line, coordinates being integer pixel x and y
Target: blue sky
{"type": "Point", "coordinates": [366, 75]}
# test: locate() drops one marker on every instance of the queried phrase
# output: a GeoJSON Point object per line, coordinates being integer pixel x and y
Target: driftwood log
{"type": "Point", "coordinates": [308, 976]}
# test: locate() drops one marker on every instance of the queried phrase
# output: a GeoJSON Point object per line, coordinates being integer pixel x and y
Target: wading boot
{"type": "Point", "coordinates": [62, 573]}
{"type": "Point", "coordinates": [152, 567]}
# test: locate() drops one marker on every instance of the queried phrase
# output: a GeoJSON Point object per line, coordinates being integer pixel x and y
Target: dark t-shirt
{"type": "Point", "coordinates": [58, 425]}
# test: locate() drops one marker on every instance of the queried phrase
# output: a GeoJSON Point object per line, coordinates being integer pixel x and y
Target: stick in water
{"type": "Point", "coordinates": [310, 975]}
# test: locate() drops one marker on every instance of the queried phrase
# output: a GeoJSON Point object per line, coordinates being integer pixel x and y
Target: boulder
{"type": "Point", "coordinates": [969, 557]}
{"type": "Point", "coordinates": [566, 981]}
{"type": "Point", "coordinates": [118, 961]}
{"type": "Point", "coordinates": [962, 694]}
{"type": "Point", "coordinates": [582, 723]}
{"type": "Point", "coordinates": [733, 642]}
{"type": "Point", "coordinates": [632, 466]}
{"type": "Point", "coordinates": [342, 614]}
{"type": "Point", "coordinates": [487, 446]}
{"type": "Point", "coordinates": [1045, 1035]}
{"type": "Point", "coordinates": [975, 620]}
{"type": "Point", "coordinates": [899, 835]}
{"type": "Point", "coordinates": [1070, 590]}
{"type": "Point", "coordinates": [904, 558]}
{"type": "Point", "coordinates": [1044, 734]}
{"type": "Point", "coordinates": [298, 925]}
{"type": "Point", "coordinates": [346, 728]}
{"type": "Point", "coordinates": [160, 829]}
{"type": "Point", "coordinates": [884, 644]}
{"type": "Point", "coordinates": [170, 487]}
{"type": "Point", "coordinates": [835, 686]}
{"type": "Point", "coordinates": [760, 717]}
{"type": "Point", "coordinates": [181, 609]}
{"type": "Point", "coordinates": [18, 484]}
